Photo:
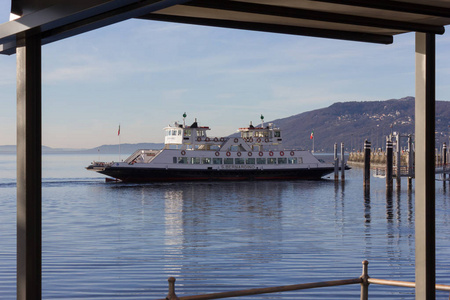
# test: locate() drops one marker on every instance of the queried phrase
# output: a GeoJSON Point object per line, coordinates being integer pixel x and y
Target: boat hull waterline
{"type": "Point", "coordinates": [165, 175]}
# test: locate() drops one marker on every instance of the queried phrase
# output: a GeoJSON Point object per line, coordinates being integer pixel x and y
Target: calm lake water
{"type": "Point", "coordinates": [122, 241]}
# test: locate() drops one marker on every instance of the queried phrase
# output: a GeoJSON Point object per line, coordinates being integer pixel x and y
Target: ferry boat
{"type": "Point", "coordinates": [189, 154]}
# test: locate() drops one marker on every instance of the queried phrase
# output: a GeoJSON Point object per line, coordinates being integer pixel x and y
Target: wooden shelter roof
{"type": "Point", "coordinates": [357, 20]}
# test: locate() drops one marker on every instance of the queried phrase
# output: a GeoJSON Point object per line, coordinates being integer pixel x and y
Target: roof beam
{"type": "Point", "coordinates": [275, 28]}
{"type": "Point", "coordinates": [288, 12]}
{"type": "Point", "coordinates": [62, 21]}
{"type": "Point", "coordinates": [397, 6]}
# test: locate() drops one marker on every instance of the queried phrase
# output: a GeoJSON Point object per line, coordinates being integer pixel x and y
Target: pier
{"type": "Point", "coordinates": [387, 165]}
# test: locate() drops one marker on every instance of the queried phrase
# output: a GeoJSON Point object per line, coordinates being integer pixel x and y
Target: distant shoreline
{"type": "Point", "coordinates": [104, 149]}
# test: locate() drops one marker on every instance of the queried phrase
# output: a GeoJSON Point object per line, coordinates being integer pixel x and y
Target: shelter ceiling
{"type": "Point", "coordinates": [358, 20]}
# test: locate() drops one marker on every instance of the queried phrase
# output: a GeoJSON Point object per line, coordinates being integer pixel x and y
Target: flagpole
{"type": "Point", "coordinates": [118, 133]}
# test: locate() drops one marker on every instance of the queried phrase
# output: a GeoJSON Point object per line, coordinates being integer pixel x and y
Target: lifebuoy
{"type": "Point", "coordinates": [217, 153]}
{"type": "Point", "coordinates": [239, 154]}
{"type": "Point", "coordinates": [271, 153]}
{"type": "Point", "coordinates": [183, 152]}
{"type": "Point", "coordinates": [228, 153]}
{"type": "Point", "coordinates": [260, 153]}
{"type": "Point", "coordinates": [199, 139]}
{"type": "Point", "coordinates": [222, 139]}
{"type": "Point", "coordinates": [282, 153]}
{"type": "Point", "coordinates": [292, 153]}
{"type": "Point", "coordinates": [207, 139]}
{"type": "Point", "coordinates": [249, 153]}
{"type": "Point", "coordinates": [236, 140]}
{"type": "Point", "coordinates": [216, 139]}
{"type": "Point", "coordinates": [258, 140]}
{"type": "Point", "coordinates": [266, 140]}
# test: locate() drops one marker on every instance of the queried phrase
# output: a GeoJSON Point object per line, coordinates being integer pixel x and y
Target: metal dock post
{"type": "Point", "coordinates": [366, 164]}
{"type": "Point", "coordinates": [389, 163]}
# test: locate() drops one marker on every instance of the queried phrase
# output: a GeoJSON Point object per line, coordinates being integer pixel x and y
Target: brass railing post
{"type": "Point", "coordinates": [171, 295]}
{"type": "Point", "coordinates": [365, 282]}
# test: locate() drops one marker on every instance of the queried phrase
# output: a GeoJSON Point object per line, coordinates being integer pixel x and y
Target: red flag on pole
{"type": "Point", "coordinates": [312, 135]}
{"type": "Point", "coordinates": [118, 132]}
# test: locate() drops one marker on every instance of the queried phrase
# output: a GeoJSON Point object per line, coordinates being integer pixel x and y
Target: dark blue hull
{"type": "Point", "coordinates": [159, 175]}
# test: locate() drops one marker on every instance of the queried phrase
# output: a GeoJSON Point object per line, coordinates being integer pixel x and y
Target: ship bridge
{"type": "Point", "coordinates": [261, 134]}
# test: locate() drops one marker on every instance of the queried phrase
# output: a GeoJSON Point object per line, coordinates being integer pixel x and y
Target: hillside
{"type": "Point", "coordinates": [348, 122]}
{"type": "Point", "coordinates": [353, 122]}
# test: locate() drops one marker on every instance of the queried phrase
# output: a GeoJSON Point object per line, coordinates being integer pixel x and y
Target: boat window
{"type": "Point", "coordinates": [187, 132]}
{"type": "Point", "coordinates": [228, 161]}
{"type": "Point", "coordinates": [174, 160]}
{"type": "Point", "coordinates": [300, 160]}
{"type": "Point", "coordinates": [282, 160]}
{"type": "Point", "coordinates": [174, 132]}
{"type": "Point", "coordinates": [217, 160]}
{"type": "Point", "coordinates": [261, 161]}
{"type": "Point", "coordinates": [195, 160]}
{"type": "Point", "coordinates": [200, 133]}
{"type": "Point", "coordinates": [206, 160]}
{"type": "Point", "coordinates": [179, 132]}
{"type": "Point", "coordinates": [182, 160]}
{"type": "Point", "coordinates": [271, 160]}
{"type": "Point", "coordinates": [250, 161]}
{"type": "Point", "coordinates": [239, 161]}
{"type": "Point", "coordinates": [167, 132]}
{"type": "Point", "coordinates": [277, 133]}
{"type": "Point", "coordinates": [292, 160]}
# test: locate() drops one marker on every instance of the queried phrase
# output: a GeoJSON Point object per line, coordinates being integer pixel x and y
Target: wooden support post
{"type": "Point", "coordinates": [29, 166]}
{"type": "Point", "coordinates": [389, 164]}
{"type": "Point", "coordinates": [425, 215]}
{"type": "Point", "coordinates": [366, 164]}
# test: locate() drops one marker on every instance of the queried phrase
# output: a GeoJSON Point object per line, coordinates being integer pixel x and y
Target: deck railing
{"type": "Point", "coordinates": [364, 280]}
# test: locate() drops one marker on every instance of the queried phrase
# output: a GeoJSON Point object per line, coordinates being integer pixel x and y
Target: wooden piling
{"type": "Point", "coordinates": [342, 162]}
{"type": "Point", "coordinates": [336, 163]}
{"type": "Point", "coordinates": [399, 163]}
{"type": "Point", "coordinates": [366, 163]}
{"type": "Point", "coordinates": [389, 164]}
{"type": "Point", "coordinates": [410, 162]}
{"type": "Point", "coordinates": [444, 159]}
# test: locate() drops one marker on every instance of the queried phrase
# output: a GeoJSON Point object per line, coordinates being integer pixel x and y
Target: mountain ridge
{"type": "Point", "coordinates": [348, 122]}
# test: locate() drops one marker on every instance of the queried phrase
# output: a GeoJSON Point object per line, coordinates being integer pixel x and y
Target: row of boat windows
{"type": "Point", "coordinates": [262, 134]}
{"type": "Point", "coordinates": [187, 132]}
{"type": "Point", "coordinates": [237, 161]}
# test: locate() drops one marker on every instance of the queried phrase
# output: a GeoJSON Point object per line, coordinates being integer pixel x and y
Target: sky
{"type": "Point", "coordinates": [144, 75]}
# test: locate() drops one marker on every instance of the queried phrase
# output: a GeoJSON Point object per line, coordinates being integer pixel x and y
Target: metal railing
{"type": "Point", "coordinates": [364, 280]}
